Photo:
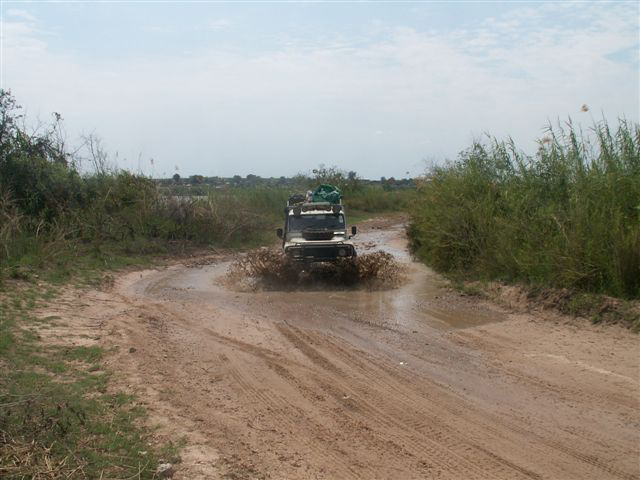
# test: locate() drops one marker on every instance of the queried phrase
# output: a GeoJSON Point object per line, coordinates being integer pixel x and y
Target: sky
{"type": "Point", "coordinates": [278, 88]}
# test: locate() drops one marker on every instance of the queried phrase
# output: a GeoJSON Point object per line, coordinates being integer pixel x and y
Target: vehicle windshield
{"type": "Point", "coordinates": [329, 222]}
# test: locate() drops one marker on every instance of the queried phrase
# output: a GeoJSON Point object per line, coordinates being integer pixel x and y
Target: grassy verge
{"type": "Point", "coordinates": [57, 417]}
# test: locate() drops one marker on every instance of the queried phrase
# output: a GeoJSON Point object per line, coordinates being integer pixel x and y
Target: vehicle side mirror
{"type": "Point", "coordinates": [354, 230]}
{"type": "Point", "coordinates": [279, 232]}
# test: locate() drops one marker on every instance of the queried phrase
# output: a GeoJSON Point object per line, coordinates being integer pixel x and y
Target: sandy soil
{"type": "Point", "coordinates": [412, 383]}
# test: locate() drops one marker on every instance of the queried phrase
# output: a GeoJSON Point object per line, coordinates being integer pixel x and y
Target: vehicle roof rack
{"type": "Point", "coordinates": [326, 206]}
{"type": "Point", "coordinates": [315, 207]}
{"type": "Point", "coordinates": [296, 199]}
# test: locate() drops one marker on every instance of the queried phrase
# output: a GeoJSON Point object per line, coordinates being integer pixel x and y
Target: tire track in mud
{"type": "Point", "coordinates": [281, 413]}
{"type": "Point", "coordinates": [280, 410]}
{"type": "Point", "coordinates": [460, 409]}
{"type": "Point", "coordinates": [593, 463]}
{"type": "Point", "coordinates": [444, 437]}
{"type": "Point", "coordinates": [441, 434]}
{"type": "Point", "coordinates": [364, 434]}
{"type": "Point", "coordinates": [245, 388]}
{"type": "Point", "coordinates": [437, 446]}
{"type": "Point", "coordinates": [484, 426]}
{"type": "Point", "coordinates": [381, 439]}
{"type": "Point", "coordinates": [560, 390]}
{"type": "Point", "coordinates": [287, 414]}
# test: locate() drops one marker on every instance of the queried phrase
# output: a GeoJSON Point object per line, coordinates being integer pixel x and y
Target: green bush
{"type": "Point", "coordinates": [567, 217]}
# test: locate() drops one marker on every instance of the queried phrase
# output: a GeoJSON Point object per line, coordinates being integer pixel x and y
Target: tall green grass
{"type": "Point", "coordinates": [567, 217]}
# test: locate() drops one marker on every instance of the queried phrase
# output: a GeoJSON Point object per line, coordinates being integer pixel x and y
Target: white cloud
{"type": "Point", "coordinates": [14, 12]}
{"type": "Point", "coordinates": [280, 112]}
{"type": "Point", "coordinates": [219, 23]}
{"type": "Point", "coordinates": [21, 39]}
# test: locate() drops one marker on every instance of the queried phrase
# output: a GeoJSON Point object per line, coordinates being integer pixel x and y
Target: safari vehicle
{"type": "Point", "coordinates": [316, 231]}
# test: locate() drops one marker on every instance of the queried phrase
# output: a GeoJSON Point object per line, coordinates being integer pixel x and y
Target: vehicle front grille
{"type": "Point", "coordinates": [309, 234]}
{"type": "Point", "coordinates": [319, 253]}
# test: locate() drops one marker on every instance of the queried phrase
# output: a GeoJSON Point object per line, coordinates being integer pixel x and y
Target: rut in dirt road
{"type": "Point", "coordinates": [412, 382]}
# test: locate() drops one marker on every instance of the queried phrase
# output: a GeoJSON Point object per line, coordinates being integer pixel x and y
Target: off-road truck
{"type": "Point", "coordinates": [316, 231]}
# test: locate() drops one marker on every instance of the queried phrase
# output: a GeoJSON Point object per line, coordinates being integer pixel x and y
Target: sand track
{"type": "Point", "coordinates": [416, 382]}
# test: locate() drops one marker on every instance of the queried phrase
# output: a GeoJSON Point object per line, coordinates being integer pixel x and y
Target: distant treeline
{"type": "Point", "coordinates": [569, 216]}
{"type": "Point", "coordinates": [349, 181]}
{"type": "Point", "coordinates": [361, 196]}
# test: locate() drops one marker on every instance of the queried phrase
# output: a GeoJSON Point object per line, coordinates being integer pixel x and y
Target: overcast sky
{"type": "Point", "coordinates": [277, 88]}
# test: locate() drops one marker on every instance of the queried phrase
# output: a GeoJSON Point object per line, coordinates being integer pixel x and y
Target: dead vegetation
{"type": "Point", "coordinates": [271, 269]}
{"type": "Point", "coordinates": [31, 460]}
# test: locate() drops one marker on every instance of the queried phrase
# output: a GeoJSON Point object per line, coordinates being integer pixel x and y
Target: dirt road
{"type": "Point", "coordinates": [412, 383]}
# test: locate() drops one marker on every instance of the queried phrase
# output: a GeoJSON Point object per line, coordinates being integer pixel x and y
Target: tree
{"type": "Point", "coordinates": [252, 179]}
{"type": "Point", "coordinates": [353, 183]}
{"type": "Point", "coordinates": [176, 177]}
{"type": "Point", "coordinates": [390, 184]}
{"type": "Point", "coordinates": [96, 155]}
{"type": "Point", "coordinates": [8, 119]}
{"type": "Point", "coordinates": [329, 175]}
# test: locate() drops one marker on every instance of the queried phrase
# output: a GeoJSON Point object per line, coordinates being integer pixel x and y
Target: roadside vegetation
{"type": "Point", "coordinates": [567, 217]}
{"type": "Point", "coordinates": [58, 418]}
{"type": "Point", "coordinates": [56, 219]}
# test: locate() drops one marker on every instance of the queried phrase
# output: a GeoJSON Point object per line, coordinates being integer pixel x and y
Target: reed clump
{"type": "Point", "coordinates": [567, 217]}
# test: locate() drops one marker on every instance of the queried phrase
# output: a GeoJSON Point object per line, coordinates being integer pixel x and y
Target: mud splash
{"type": "Point", "coordinates": [268, 269]}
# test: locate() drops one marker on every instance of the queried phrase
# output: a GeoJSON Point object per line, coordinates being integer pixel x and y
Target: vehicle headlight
{"type": "Point", "coordinates": [295, 252]}
{"type": "Point", "coordinates": [342, 252]}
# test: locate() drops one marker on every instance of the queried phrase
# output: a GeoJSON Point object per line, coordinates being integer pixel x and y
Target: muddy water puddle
{"type": "Point", "coordinates": [420, 303]}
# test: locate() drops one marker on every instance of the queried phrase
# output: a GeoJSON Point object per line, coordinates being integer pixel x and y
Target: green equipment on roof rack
{"type": "Point", "coordinates": [327, 193]}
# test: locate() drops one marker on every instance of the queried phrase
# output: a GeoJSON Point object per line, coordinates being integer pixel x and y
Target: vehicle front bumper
{"type": "Point", "coordinates": [320, 252]}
